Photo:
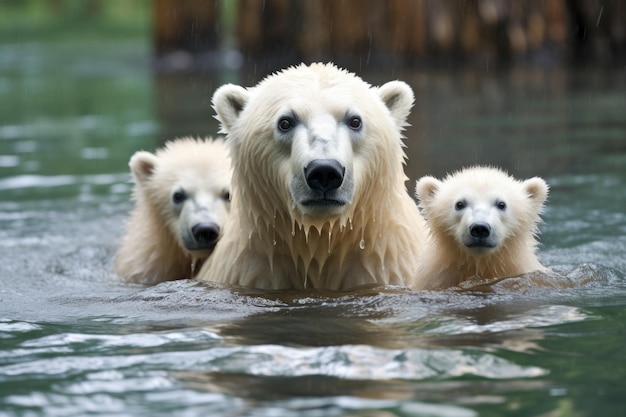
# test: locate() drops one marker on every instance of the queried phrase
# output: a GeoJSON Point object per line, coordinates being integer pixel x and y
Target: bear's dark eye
{"type": "Point", "coordinates": [285, 124]}
{"type": "Point", "coordinates": [225, 195]}
{"type": "Point", "coordinates": [179, 196]}
{"type": "Point", "coordinates": [460, 205]}
{"type": "Point", "coordinates": [501, 205]}
{"type": "Point", "coordinates": [355, 123]}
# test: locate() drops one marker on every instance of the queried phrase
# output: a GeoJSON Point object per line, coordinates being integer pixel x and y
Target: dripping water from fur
{"type": "Point", "coordinates": [362, 241]}
{"type": "Point", "coordinates": [193, 267]}
{"type": "Point", "coordinates": [329, 238]}
{"type": "Point", "coordinates": [274, 230]}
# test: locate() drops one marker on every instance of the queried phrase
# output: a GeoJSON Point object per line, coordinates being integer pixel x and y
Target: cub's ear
{"type": "Point", "coordinates": [398, 97]}
{"type": "Point", "coordinates": [537, 190]}
{"type": "Point", "coordinates": [426, 189]}
{"type": "Point", "coordinates": [228, 101]}
{"type": "Point", "coordinates": [142, 165]}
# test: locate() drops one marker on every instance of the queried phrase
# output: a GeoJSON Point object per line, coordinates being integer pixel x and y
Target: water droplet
{"type": "Point", "coordinates": [329, 237]}
{"type": "Point", "coordinates": [362, 244]}
{"type": "Point", "coordinates": [274, 233]}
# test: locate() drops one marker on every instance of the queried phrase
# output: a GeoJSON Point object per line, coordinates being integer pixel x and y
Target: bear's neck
{"type": "Point", "coordinates": [466, 265]}
{"type": "Point", "coordinates": [371, 244]}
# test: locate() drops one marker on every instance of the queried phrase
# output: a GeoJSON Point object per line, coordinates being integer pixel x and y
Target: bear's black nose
{"type": "Point", "coordinates": [206, 233]}
{"type": "Point", "coordinates": [324, 174]}
{"type": "Point", "coordinates": [480, 230]}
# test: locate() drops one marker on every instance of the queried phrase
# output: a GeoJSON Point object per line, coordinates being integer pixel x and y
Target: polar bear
{"type": "Point", "coordinates": [182, 200]}
{"type": "Point", "coordinates": [483, 225]}
{"type": "Point", "coordinates": [318, 194]}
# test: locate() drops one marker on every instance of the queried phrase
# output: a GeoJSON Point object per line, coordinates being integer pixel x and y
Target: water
{"type": "Point", "coordinates": [76, 341]}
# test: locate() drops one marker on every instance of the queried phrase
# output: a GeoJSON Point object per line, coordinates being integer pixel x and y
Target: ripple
{"type": "Point", "coordinates": [10, 326]}
{"type": "Point", "coordinates": [27, 181]}
{"type": "Point", "coordinates": [367, 362]}
{"type": "Point", "coordinates": [538, 317]}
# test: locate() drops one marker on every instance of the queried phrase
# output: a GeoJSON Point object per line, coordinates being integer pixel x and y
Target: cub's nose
{"type": "Point", "coordinates": [480, 230]}
{"type": "Point", "coordinates": [206, 233]}
{"type": "Point", "coordinates": [324, 174]}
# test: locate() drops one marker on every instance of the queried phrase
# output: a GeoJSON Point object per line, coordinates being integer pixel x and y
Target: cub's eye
{"type": "Point", "coordinates": [179, 196]}
{"type": "Point", "coordinates": [501, 205]}
{"type": "Point", "coordinates": [285, 124]}
{"type": "Point", "coordinates": [355, 123]}
{"type": "Point", "coordinates": [225, 195]}
{"type": "Point", "coordinates": [460, 205]}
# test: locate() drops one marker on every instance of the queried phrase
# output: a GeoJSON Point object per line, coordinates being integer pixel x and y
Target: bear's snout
{"type": "Point", "coordinates": [206, 234]}
{"type": "Point", "coordinates": [324, 174]}
{"type": "Point", "coordinates": [480, 230]}
{"type": "Point", "coordinates": [480, 236]}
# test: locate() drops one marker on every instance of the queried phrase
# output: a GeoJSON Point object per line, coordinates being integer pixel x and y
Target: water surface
{"type": "Point", "coordinates": [74, 340]}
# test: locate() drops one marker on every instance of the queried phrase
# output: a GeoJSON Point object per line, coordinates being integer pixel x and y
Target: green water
{"type": "Point", "coordinates": [75, 341]}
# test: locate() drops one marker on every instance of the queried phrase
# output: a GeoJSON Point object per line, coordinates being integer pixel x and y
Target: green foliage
{"type": "Point", "coordinates": [23, 20]}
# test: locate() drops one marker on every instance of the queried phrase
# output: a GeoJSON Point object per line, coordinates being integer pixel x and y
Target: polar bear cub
{"type": "Point", "coordinates": [483, 225]}
{"type": "Point", "coordinates": [182, 200]}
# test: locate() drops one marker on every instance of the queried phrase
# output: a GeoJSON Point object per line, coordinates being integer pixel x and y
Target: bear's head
{"type": "Point", "coordinates": [482, 209]}
{"type": "Point", "coordinates": [311, 143]}
{"type": "Point", "coordinates": [187, 186]}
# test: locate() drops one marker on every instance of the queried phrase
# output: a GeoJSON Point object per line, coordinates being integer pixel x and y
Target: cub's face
{"type": "Point", "coordinates": [196, 210]}
{"type": "Point", "coordinates": [481, 222]}
{"type": "Point", "coordinates": [313, 138]}
{"type": "Point", "coordinates": [188, 185]}
{"type": "Point", "coordinates": [481, 209]}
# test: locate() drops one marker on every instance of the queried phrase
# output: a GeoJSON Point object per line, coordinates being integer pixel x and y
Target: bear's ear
{"type": "Point", "coordinates": [537, 190]}
{"type": "Point", "coordinates": [426, 189]}
{"type": "Point", "coordinates": [142, 165]}
{"type": "Point", "coordinates": [398, 97]}
{"type": "Point", "coordinates": [228, 101]}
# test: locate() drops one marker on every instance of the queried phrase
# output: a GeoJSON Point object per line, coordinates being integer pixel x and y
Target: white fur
{"type": "Point", "coordinates": [372, 233]}
{"type": "Point", "coordinates": [479, 197]}
{"type": "Point", "coordinates": [159, 244]}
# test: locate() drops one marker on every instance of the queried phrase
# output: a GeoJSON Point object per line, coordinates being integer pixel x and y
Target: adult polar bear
{"type": "Point", "coordinates": [318, 192]}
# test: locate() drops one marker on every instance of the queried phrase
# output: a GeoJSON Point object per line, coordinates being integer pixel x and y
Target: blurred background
{"type": "Point", "coordinates": [522, 84]}
{"type": "Point", "coordinates": [379, 34]}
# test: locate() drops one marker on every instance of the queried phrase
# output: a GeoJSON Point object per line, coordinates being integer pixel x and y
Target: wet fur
{"type": "Point", "coordinates": [270, 241]}
{"type": "Point", "coordinates": [151, 251]}
{"type": "Point", "coordinates": [447, 261]}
